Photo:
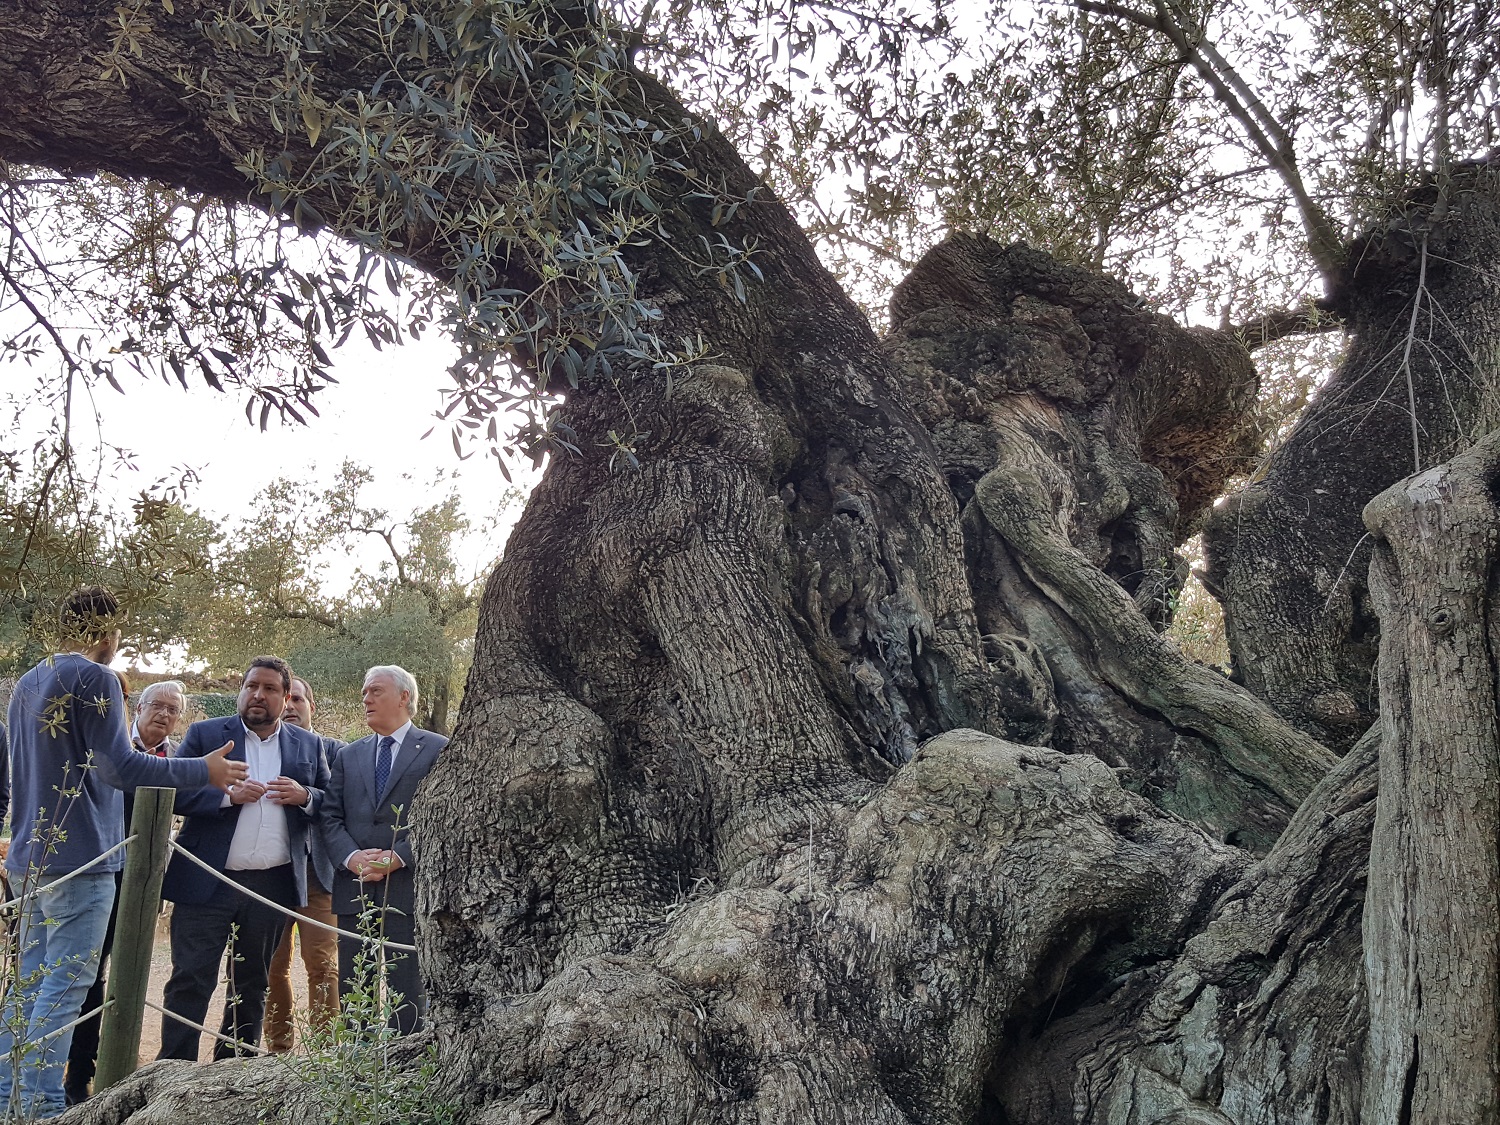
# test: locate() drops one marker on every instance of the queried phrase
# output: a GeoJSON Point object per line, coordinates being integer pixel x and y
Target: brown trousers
{"type": "Point", "coordinates": [321, 958]}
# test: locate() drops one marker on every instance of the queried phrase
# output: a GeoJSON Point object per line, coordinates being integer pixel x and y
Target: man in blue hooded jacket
{"type": "Point", "coordinates": [70, 758]}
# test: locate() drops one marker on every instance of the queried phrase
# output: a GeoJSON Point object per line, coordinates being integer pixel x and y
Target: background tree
{"type": "Point", "coordinates": [215, 594]}
{"type": "Point", "coordinates": [777, 789]}
{"type": "Point", "coordinates": [59, 534]}
{"type": "Point", "coordinates": [264, 587]}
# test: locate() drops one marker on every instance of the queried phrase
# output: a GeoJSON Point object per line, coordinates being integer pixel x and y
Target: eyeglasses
{"type": "Point", "coordinates": [171, 710]}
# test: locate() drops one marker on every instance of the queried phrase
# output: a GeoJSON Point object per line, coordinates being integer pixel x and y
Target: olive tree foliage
{"type": "Point", "coordinates": [1198, 151]}
{"type": "Point", "coordinates": [228, 309]}
{"type": "Point", "coordinates": [1193, 148]}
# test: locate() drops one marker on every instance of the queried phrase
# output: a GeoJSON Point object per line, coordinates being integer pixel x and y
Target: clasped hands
{"type": "Point", "coordinates": [281, 790]}
{"type": "Point", "coordinates": [370, 865]}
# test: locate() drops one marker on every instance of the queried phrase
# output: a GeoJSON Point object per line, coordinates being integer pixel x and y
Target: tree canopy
{"type": "Point", "coordinates": [1216, 157]}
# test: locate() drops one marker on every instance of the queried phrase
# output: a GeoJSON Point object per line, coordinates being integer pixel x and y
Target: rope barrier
{"type": "Point", "coordinates": [100, 858]}
{"type": "Point", "coordinates": [175, 846]}
{"type": "Point", "coordinates": [236, 1043]}
{"type": "Point", "coordinates": [69, 1027]}
{"type": "Point", "coordinates": [300, 919]}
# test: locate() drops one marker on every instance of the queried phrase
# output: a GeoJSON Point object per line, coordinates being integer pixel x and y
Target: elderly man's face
{"type": "Point", "coordinates": [385, 705]}
{"type": "Point", "coordinates": [158, 717]}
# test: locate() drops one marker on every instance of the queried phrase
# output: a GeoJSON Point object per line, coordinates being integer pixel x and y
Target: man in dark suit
{"type": "Point", "coordinates": [366, 835]}
{"type": "Point", "coordinates": [257, 835]}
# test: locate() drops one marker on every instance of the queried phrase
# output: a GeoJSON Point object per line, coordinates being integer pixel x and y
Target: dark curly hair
{"type": "Point", "coordinates": [89, 613]}
{"type": "Point", "coordinates": [276, 664]}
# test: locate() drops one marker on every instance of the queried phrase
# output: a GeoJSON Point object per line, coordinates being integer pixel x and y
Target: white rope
{"type": "Point", "coordinates": [301, 919]}
{"type": "Point", "coordinates": [20, 898]}
{"type": "Point", "coordinates": [69, 1027]}
{"type": "Point", "coordinates": [237, 1043]}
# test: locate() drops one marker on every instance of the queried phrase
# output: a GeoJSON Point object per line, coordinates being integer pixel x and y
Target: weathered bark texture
{"type": "Point", "coordinates": [1260, 1021]}
{"type": "Point", "coordinates": [1430, 926]}
{"type": "Point", "coordinates": [1288, 555]}
{"type": "Point", "coordinates": [1086, 437]}
{"type": "Point", "coordinates": [739, 822]}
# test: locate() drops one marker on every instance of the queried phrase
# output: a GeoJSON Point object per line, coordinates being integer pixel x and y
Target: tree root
{"type": "Point", "coordinates": [874, 976]}
{"type": "Point", "coordinates": [1260, 1021]}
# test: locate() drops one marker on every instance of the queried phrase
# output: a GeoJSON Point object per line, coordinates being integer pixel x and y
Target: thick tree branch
{"type": "Point", "coordinates": [1253, 739]}
{"type": "Point", "coordinates": [1262, 129]}
{"type": "Point", "coordinates": [1278, 324]}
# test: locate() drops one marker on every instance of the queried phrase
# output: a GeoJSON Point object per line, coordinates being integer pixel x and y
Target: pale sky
{"type": "Point", "coordinates": [376, 414]}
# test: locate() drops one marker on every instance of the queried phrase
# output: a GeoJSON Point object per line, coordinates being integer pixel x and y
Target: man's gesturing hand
{"type": "Point", "coordinates": [222, 773]}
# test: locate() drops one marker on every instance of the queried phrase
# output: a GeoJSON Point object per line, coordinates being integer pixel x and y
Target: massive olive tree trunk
{"type": "Point", "coordinates": [831, 766]}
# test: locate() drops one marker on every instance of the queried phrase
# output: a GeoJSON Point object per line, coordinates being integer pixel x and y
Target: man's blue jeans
{"type": "Point", "coordinates": [60, 936]}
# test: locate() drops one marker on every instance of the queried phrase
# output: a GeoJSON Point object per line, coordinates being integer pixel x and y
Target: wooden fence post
{"type": "Point", "coordinates": [135, 934]}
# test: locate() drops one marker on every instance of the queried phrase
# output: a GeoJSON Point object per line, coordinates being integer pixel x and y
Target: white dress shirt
{"type": "Point", "coordinates": [399, 734]}
{"type": "Point", "coordinates": [260, 835]}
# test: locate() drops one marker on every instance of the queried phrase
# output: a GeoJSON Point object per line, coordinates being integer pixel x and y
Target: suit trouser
{"type": "Point", "coordinates": [320, 958]}
{"type": "Point", "coordinates": [200, 934]}
{"type": "Point", "coordinates": [356, 973]}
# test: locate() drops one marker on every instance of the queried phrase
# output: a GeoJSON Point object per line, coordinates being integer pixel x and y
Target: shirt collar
{"type": "Point", "coordinates": [399, 734]}
{"type": "Point", "coordinates": [272, 737]}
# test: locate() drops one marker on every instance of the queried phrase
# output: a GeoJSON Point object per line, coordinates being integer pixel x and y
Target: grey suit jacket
{"type": "Point", "coordinates": [317, 852]}
{"type": "Point", "coordinates": [353, 820]}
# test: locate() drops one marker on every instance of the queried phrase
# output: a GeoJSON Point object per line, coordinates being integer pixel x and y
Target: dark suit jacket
{"type": "Point", "coordinates": [352, 820]}
{"type": "Point", "coordinates": [210, 827]}
{"type": "Point", "coordinates": [322, 863]}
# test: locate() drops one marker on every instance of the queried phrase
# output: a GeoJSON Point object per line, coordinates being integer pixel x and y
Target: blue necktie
{"type": "Point", "coordinates": [383, 766]}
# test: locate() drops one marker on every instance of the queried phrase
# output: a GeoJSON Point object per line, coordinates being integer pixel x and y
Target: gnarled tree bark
{"type": "Point", "coordinates": [1262, 1018]}
{"type": "Point", "coordinates": [1431, 952]}
{"type": "Point", "coordinates": [831, 767]}
{"type": "Point", "coordinates": [1288, 555]}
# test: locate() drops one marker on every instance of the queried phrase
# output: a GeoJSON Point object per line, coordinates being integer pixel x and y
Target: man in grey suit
{"type": "Point", "coordinates": [365, 829]}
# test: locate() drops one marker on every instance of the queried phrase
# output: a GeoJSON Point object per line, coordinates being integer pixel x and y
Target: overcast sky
{"type": "Point", "coordinates": [376, 414]}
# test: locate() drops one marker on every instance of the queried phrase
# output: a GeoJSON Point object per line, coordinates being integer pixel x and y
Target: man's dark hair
{"type": "Point", "coordinates": [89, 613]}
{"type": "Point", "coordinates": [276, 664]}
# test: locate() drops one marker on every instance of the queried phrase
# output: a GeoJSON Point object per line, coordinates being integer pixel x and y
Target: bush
{"type": "Point", "coordinates": [215, 704]}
